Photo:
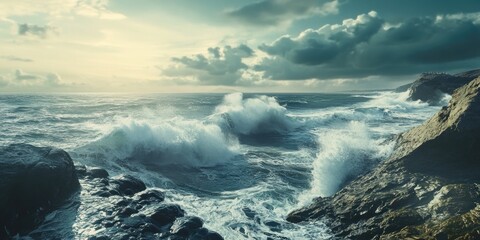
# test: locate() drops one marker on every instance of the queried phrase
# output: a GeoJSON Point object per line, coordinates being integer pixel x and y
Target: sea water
{"type": "Point", "coordinates": [241, 162]}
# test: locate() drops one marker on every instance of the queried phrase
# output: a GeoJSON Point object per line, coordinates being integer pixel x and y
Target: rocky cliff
{"type": "Point", "coordinates": [428, 189]}
{"type": "Point", "coordinates": [431, 87]}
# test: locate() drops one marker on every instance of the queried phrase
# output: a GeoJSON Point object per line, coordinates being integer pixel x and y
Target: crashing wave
{"type": "Point", "coordinates": [344, 153]}
{"type": "Point", "coordinates": [177, 141]}
{"type": "Point", "coordinates": [257, 115]}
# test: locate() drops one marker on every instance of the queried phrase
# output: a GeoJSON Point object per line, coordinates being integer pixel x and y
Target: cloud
{"type": "Point", "coordinates": [368, 45]}
{"type": "Point", "coordinates": [16, 59]}
{"type": "Point", "coordinates": [3, 82]}
{"type": "Point", "coordinates": [59, 8]}
{"type": "Point", "coordinates": [223, 66]}
{"type": "Point", "coordinates": [275, 12]}
{"type": "Point", "coordinates": [35, 30]}
{"type": "Point", "coordinates": [96, 8]}
{"type": "Point", "coordinates": [22, 76]}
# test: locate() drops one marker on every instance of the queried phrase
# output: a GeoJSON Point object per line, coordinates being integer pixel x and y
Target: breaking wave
{"type": "Point", "coordinates": [257, 115]}
{"type": "Point", "coordinates": [344, 153]}
{"type": "Point", "coordinates": [176, 141]}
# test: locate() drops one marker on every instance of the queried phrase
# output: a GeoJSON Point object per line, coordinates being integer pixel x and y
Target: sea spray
{"type": "Point", "coordinates": [343, 154]}
{"type": "Point", "coordinates": [258, 115]}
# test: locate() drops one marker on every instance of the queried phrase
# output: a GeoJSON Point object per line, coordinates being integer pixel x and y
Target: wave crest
{"type": "Point", "coordinates": [258, 115]}
{"type": "Point", "coordinates": [344, 154]}
{"type": "Point", "coordinates": [189, 143]}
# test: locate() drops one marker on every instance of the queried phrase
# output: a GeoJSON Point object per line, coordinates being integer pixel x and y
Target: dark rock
{"type": "Point", "coordinates": [99, 238]}
{"type": "Point", "coordinates": [150, 196]}
{"type": "Point", "coordinates": [184, 226]}
{"type": "Point", "coordinates": [33, 181]}
{"type": "Point", "coordinates": [167, 213]}
{"type": "Point", "coordinates": [428, 189]}
{"type": "Point", "coordinates": [97, 173]}
{"type": "Point", "coordinates": [81, 170]}
{"type": "Point", "coordinates": [403, 88]}
{"type": "Point", "coordinates": [431, 87]}
{"type": "Point", "coordinates": [127, 185]}
{"type": "Point", "coordinates": [450, 134]}
{"type": "Point", "coordinates": [117, 207]}
{"type": "Point", "coordinates": [205, 234]}
{"type": "Point", "coordinates": [127, 211]}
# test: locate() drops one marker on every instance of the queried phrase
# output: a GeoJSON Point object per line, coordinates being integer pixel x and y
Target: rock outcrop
{"type": "Point", "coordinates": [122, 207]}
{"type": "Point", "coordinates": [431, 87]}
{"type": "Point", "coordinates": [37, 186]}
{"type": "Point", "coordinates": [33, 182]}
{"type": "Point", "coordinates": [428, 189]}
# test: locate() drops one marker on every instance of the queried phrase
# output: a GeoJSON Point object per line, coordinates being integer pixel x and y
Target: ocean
{"type": "Point", "coordinates": [241, 162]}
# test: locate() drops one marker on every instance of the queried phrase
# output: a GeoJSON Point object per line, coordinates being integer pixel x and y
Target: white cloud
{"type": "Point", "coordinates": [58, 8]}
{"type": "Point", "coordinates": [20, 78]}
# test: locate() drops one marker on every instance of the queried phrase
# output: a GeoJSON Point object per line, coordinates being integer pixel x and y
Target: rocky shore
{"type": "Point", "coordinates": [428, 189]}
{"type": "Point", "coordinates": [45, 196]}
{"type": "Point", "coordinates": [431, 87]}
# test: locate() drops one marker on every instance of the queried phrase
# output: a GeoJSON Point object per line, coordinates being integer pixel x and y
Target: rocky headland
{"type": "Point", "coordinates": [428, 189]}
{"type": "Point", "coordinates": [431, 87]}
{"type": "Point", "coordinates": [45, 196]}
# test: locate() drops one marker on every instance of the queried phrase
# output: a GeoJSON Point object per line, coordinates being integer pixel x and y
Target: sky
{"type": "Point", "coordinates": [232, 45]}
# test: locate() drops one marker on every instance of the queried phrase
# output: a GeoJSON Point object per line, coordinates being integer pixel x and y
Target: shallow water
{"type": "Point", "coordinates": [240, 162]}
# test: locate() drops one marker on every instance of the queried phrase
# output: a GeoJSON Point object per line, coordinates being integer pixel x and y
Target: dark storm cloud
{"type": "Point", "coordinates": [221, 67]}
{"type": "Point", "coordinates": [274, 12]}
{"type": "Point", "coordinates": [368, 45]}
{"type": "Point", "coordinates": [34, 30]}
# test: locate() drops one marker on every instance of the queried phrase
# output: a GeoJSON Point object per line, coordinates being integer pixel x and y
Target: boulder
{"type": "Point", "coordinates": [167, 213]}
{"type": "Point", "coordinates": [97, 173]}
{"type": "Point", "coordinates": [127, 185]}
{"type": "Point", "coordinates": [184, 226]}
{"type": "Point", "coordinates": [33, 182]}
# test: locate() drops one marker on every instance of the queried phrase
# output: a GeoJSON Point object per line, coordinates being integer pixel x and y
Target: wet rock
{"type": "Point", "coordinates": [127, 185]}
{"type": "Point", "coordinates": [455, 199]}
{"type": "Point", "coordinates": [121, 208]}
{"type": "Point", "coordinates": [184, 226]}
{"type": "Point", "coordinates": [150, 196]}
{"type": "Point", "coordinates": [127, 211]}
{"type": "Point", "coordinates": [428, 189]}
{"type": "Point", "coordinates": [167, 213]}
{"type": "Point", "coordinates": [33, 181]}
{"type": "Point", "coordinates": [97, 173]}
{"type": "Point", "coordinates": [205, 234]}
{"type": "Point", "coordinates": [81, 170]}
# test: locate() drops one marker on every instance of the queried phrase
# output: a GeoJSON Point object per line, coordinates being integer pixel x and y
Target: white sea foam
{"type": "Point", "coordinates": [344, 153]}
{"type": "Point", "coordinates": [257, 115]}
{"type": "Point", "coordinates": [174, 141]}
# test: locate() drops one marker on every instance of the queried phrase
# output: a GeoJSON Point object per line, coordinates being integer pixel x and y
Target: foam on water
{"type": "Point", "coordinates": [344, 153]}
